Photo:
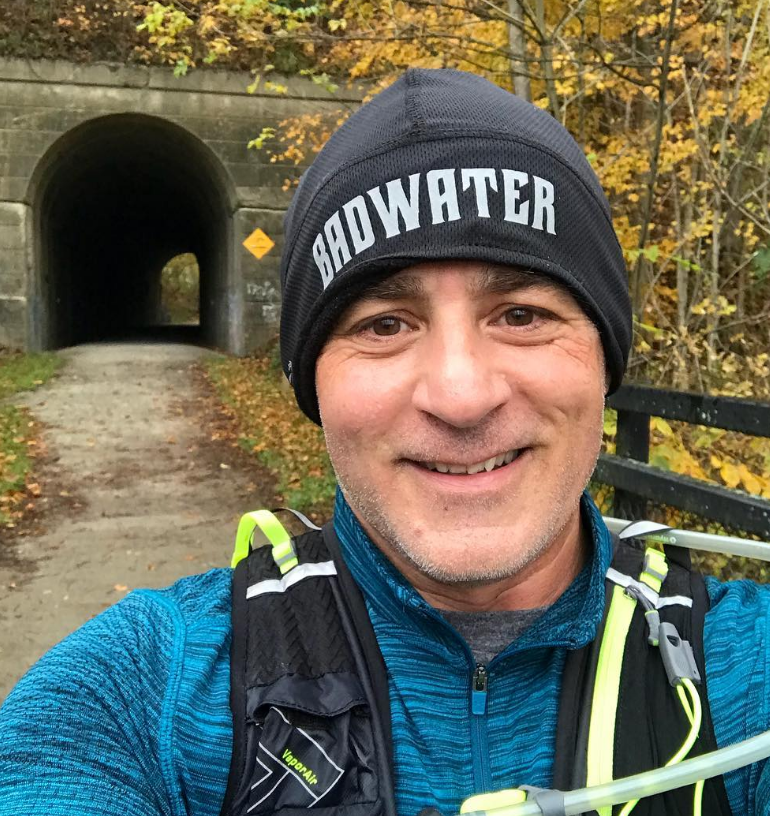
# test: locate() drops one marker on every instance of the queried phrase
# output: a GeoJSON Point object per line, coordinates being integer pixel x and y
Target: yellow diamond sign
{"type": "Point", "coordinates": [258, 243]}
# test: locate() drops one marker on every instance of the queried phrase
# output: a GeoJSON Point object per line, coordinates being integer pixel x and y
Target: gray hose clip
{"type": "Point", "coordinates": [677, 654]}
{"type": "Point", "coordinates": [549, 800]}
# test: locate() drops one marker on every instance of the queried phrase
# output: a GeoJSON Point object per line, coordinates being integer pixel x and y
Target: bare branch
{"type": "Point", "coordinates": [655, 158]}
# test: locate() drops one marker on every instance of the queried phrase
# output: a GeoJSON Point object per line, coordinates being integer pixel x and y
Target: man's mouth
{"type": "Point", "coordinates": [487, 465]}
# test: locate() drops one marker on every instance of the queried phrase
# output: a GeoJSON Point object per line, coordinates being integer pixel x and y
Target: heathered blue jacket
{"type": "Point", "coordinates": [129, 715]}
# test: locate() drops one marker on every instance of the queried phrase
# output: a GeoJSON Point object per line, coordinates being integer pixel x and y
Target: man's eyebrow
{"type": "Point", "coordinates": [489, 281]}
{"type": "Point", "coordinates": [498, 281]}
{"type": "Point", "coordinates": [396, 287]}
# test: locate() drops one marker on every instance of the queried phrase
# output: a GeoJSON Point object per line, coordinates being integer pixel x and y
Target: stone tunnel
{"type": "Point", "coordinates": [119, 197]}
{"type": "Point", "coordinates": [107, 172]}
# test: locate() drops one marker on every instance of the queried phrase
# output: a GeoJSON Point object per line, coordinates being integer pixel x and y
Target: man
{"type": "Point", "coordinates": [454, 312]}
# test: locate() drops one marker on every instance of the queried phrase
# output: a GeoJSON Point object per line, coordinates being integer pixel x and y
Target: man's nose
{"type": "Point", "coordinates": [461, 380]}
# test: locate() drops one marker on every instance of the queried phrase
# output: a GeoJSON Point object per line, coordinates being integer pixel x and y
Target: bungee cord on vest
{"type": "Point", "coordinates": [679, 771]}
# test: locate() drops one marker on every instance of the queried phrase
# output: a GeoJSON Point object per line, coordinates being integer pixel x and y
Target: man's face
{"type": "Point", "coordinates": [462, 406]}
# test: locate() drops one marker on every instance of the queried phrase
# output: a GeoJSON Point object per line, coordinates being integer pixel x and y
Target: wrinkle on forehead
{"type": "Point", "coordinates": [410, 283]}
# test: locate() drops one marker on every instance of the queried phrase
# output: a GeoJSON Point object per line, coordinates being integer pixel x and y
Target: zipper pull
{"type": "Point", "coordinates": [479, 684]}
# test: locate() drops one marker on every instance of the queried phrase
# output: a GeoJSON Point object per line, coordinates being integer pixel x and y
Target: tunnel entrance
{"type": "Point", "coordinates": [116, 200]}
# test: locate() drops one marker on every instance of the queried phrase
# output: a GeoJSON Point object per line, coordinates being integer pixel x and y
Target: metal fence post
{"type": "Point", "coordinates": [632, 441]}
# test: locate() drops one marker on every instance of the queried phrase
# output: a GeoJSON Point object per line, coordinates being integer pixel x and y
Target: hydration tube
{"type": "Point", "coordinates": [648, 783]}
{"type": "Point", "coordinates": [659, 780]}
{"type": "Point", "coordinates": [652, 531]}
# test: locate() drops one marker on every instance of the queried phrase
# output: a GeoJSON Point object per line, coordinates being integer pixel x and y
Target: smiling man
{"type": "Point", "coordinates": [471, 384]}
{"type": "Point", "coordinates": [454, 313]}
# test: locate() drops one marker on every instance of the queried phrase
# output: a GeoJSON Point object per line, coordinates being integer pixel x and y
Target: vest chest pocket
{"type": "Point", "coordinates": [309, 745]}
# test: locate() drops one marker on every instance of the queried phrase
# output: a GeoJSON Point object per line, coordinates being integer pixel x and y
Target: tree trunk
{"type": "Point", "coordinates": [546, 61]}
{"type": "Point", "coordinates": [640, 269]}
{"type": "Point", "coordinates": [518, 43]}
{"type": "Point", "coordinates": [683, 212]}
{"type": "Point", "coordinates": [712, 323]}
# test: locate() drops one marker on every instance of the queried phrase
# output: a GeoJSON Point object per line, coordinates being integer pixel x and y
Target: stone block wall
{"type": "Point", "coordinates": [42, 103]}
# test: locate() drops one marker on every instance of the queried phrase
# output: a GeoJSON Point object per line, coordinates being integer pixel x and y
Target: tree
{"type": "Point", "coordinates": [670, 98]}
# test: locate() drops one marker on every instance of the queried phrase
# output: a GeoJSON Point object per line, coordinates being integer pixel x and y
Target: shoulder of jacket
{"type": "Point", "coordinates": [729, 597]}
{"type": "Point", "coordinates": [194, 597]}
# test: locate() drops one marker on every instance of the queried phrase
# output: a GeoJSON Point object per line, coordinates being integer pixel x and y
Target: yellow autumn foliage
{"type": "Point", "coordinates": [671, 101]}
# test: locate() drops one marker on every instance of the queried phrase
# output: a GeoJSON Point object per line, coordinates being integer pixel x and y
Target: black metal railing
{"type": "Point", "coordinates": [636, 482]}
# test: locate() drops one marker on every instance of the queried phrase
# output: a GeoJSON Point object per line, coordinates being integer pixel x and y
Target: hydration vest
{"type": "Point", "coordinates": [309, 691]}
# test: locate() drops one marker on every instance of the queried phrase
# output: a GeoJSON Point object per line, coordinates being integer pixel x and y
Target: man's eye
{"type": "Point", "coordinates": [386, 326]}
{"type": "Point", "coordinates": [519, 316]}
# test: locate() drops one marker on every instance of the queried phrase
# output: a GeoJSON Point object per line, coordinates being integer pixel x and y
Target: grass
{"type": "Point", "coordinates": [18, 372]}
{"type": "Point", "coordinates": [22, 372]}
{"type": "Point", "coordinates": [274, 430]}
{"type": "Point", "coordinates": [14, 461]}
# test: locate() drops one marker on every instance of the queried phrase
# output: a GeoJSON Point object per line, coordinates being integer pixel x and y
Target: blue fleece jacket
{"type": "Point", "coordinates": [129, 715]}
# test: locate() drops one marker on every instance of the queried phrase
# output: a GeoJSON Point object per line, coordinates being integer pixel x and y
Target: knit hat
{"type": "Point", "coordinates": [445, 165]}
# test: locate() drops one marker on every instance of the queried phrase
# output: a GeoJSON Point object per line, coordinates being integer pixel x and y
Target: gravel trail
{"type": "Point", "coordinates": [137, 488]}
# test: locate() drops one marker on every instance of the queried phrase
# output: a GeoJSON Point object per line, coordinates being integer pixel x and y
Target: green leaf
{"type": "Point", "coordinates": [655, 331]}
{"type": "Point", "coordinates": [258, 143]}
{"type": "Point", "coordinates": [761, 264]}
{"type": "Point", "coordinates": [275, 87]}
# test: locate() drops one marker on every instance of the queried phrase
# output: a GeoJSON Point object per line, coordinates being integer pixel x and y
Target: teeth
{"type": "Point", "coordinates": [489, 465]}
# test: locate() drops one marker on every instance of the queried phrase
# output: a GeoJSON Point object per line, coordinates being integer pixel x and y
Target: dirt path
{"type": "Point", "coordinates": [138, 493]}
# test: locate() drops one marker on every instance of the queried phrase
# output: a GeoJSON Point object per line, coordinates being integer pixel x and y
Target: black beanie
{"type": "Point", "coordinates": [445, 165]}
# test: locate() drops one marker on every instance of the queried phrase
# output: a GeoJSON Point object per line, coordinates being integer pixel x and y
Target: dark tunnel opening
{"type": "Point", "coordinates": [119, 198]}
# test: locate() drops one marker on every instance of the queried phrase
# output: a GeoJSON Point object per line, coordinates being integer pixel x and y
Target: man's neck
{"type": "Point", "coordinates": [538, 584]}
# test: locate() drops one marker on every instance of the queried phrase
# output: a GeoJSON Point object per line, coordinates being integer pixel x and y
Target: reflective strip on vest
{"type": "Point", "coordinates": [623, 580]}
{"type": "Point", "coordinates": [299, 573]}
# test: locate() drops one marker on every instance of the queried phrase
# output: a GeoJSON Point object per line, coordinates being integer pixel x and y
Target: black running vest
{"type": "Point", "coordinates": [310, 705]}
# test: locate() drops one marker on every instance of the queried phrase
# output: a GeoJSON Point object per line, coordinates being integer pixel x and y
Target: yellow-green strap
{"type": "Point", "coordinates": [601, 734]}
{"type": "Point", "coordinates": [655, 569]}
{"type": "Point", "coordinates": [283, 550]}
{"type": "Point", "coordinates": [604, 704]}
{"type": "Point", "coordinates": [490, 801]}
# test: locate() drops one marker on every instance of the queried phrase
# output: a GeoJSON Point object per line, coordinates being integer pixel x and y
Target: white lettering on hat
{"type": "Point", "coordinates": [442, 192]}
{"type": "Point", "coordinates": [480, 176]}
{"type": "Point", "coordinates": [322, 260]}
{"type": "Point", "coordinates": [544, 197]}
{"type": "Point", "coordinates": [515, 209]}
{"type": "Point", "coordinates": [398, 204]}
{"type": "Point", "coordinates": [399, 213]}
{"type": "Point", "coordinates": [359, 224]}
{"type": "Point", "coordinates": [338, 244]}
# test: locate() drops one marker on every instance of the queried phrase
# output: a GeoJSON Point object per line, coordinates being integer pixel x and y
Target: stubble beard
{"type": "Point", "coordinates": [520, 547]}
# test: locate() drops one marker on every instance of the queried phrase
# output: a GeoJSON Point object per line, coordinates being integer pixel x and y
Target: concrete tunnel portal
{"type": "Point", "coordinates": [115, 199]}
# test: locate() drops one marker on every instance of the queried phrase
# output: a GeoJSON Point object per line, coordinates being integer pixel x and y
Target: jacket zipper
{"type": "Point", "coordinates": [482, 776]}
